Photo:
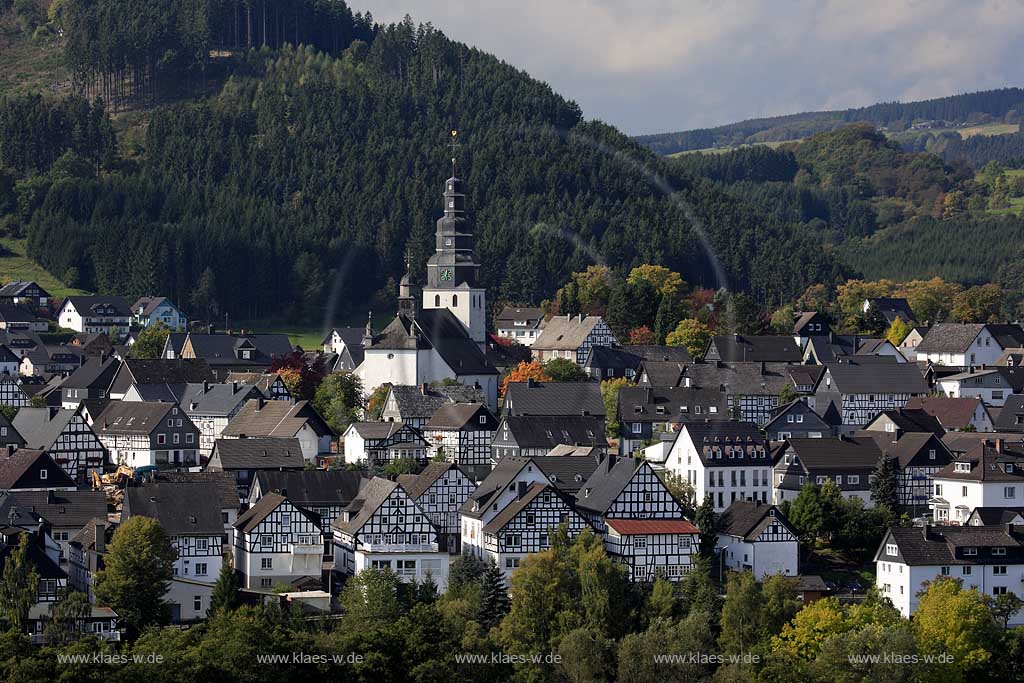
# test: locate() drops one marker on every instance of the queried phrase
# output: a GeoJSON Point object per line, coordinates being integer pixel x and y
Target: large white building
{"type": "Point", "coordinates": [960, 344]}
{"type": "Point", "coordinates": [99, 314]}
{"type": "Point", "coordinates": [989, 559]}
{"type": "Point", "coordinates": [728, 459]}
{"type": "Point", "coordinates": [445, 338]}
{"type": "Point", "coordinates": [758, 538]}
{"type": "Point", "coordinates": [988, 475]}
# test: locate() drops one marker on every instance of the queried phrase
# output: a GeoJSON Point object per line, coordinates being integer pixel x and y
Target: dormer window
{"type": "Point", "coordinates": [962, 467]}
{"type": "Point", "coordinates": [970, 551]}
{"type": "Point", "coordinates": [999, 551]}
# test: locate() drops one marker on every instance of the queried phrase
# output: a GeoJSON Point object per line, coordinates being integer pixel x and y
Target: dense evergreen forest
{"type": "Point", "coordinates": [1005, 104]}
{"type": "Point", "coordinates": [883, 211]}
{"type": "Point", "coordinates": [309, 175]}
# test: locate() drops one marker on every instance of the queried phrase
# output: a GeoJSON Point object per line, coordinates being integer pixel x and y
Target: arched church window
{"type": "Point", "coordinates": [455, 299]}
{"type": "Point", "coordinates": [437, 299]}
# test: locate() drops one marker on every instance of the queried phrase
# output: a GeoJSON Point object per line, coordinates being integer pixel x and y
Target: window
{"type": "Point", "coordinates": [944, 571]}
{"type": "Point", "coordinates": [177, 438]}
{"type": "Point", "coordinates": [999, 590]}
{"type": "Point", "coordinates": [483, 419]}
{"type": "Point", "coordinates": [967, 570]}
{"type": "Point", "coordinates": [999, 570]}
{"type": "Point", "coordinates": [455, 299]}
{"type": "Point", "coordinates": [43, 474]}
{"type": "Point", "coordinates": [892, 550]}
{"type": "Point", "coordinates": [514, 540]}
{"type": "Point", "coordinates": [161, 439]}
{"type": "Point", "coordinates": [201, 569]}
{"type": "Point", "coordinates": [636, 427]}
{"type": "Point", "coordinates": [853, 479]}
{"type": "Point", "coordinates": [684, 541]}
{"type": "Point", "coordinates": [970, 551]}
{"type": "Point", "coordinates": [170, 422]}
{"type": "Point", "coordinates": [640, 542]}
{"type": "Point", "coordinates": [286, 521]}
{"type": "Point", "coordinates": [531, 520]}
{"type": "Point", "coordinates": [190, 437]}
{"type": "Point", "coordinates": [1009, 492]}
{"type": "Point", "coordinates": [202, 544]}
{"type": "Point", "coordinates": [931, 454]}
{"type": "Point", "coordinates": [266, 563]}
{"type": "Point", "coordinates": [998, 551]}
{"type": "Point", "coordinates": [266, 541]}
{"type": "Point", "coordinates": [265, 583]}
{"type": "Point", "coordinates": [511, 562]}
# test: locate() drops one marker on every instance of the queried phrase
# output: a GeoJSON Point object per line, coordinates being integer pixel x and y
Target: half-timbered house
{"type": "Point", "coordinates": [379, 443]}
{"type": "Point", "coordinates": [243, 458]}
{"type": "Point", "coordinates": [535, 435]}
{"type": "Point", "coordinates": [572, 337]}
{"type": "Point", "coordinates": [280, 419]}
{"type": "Point", "coordinates": [758, 538]}
{"type": "Point", "coordinates": [66, 436]}
{"type": "Point", "coordinates": [461, 433]}
{"type": "Point", "coordinates": [440, 490]}
{"type": "Point", "coordinates": [625, 488]}
{"type": "Point", "coordinates": [861, 390]}
{"type": "Point", "coordinates": [32, 470]}
{"type": "Point", "coordinates": [652, 547]}
{"type": "Point", "coordinates": [146, 434]}
{"type": "Point", "coordinates": [277, 543]}
{"type": "Point", "coordinates": [849, 462]}
{"type": "Point", "coordinates": [384, 528]}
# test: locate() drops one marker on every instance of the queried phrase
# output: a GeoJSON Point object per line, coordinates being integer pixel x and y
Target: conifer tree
{"type": "Point", "coordinates": [225, 591]}
{"type": "Point", "coordinates": [494, 601]}
{"type": "Point", "coordinates": [705, 521]}
{"type": "Point", "coordinates": [885, 488]}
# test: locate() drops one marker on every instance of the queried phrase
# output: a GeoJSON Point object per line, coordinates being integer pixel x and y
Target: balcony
{"type": "Point", "coordinates": [308, 548]}
{"type": "Point", "coordinates": [398, 547]}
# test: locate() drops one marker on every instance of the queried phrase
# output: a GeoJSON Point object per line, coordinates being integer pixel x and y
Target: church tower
{"type": "Point", "coordinates": [452, 271]}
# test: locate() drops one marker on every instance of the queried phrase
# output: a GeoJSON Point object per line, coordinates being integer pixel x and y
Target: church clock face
{"type": "Point", "coordinates": [447, 274]}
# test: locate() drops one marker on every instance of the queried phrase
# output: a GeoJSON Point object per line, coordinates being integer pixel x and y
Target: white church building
{"type": "Point", "coordinates": [445, 338]}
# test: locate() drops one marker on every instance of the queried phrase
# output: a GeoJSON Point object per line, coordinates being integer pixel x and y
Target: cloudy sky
{"type": "Point", "coordinates": [658, 65]}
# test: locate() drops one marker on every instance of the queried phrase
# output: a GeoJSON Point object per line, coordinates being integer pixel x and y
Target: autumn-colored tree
{"type": "Point", "coordinates": [593, 287]}
{"type": "Point", "coordinates": [979, 304]}
{"type": "Point", "coordinates": [691, 333]}
{"type": "Point", "coordinates": [641, 336]}
{"type": "Point", "coordinates": [930, 300]}
{"type": "Point", "coordinates": [897, 331]}
{"type": "Point", "coordinates": [814, 298]}
{"type": "Point", "coordinates": [782, 320]}
{"type": "Point", "coordinates": [523, 372]}
{"type": "Point", "coordinates": [956, 622]}
{"type": "Point", "coordinates": [610, 389]}
{"type": "Point", "coordinates": [665, 281]}
{"type": "Point", "coordinates": [851, 294]}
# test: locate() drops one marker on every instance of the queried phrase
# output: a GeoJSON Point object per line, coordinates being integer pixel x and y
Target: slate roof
{"type": "Point", "coordinates": [746, 519]}
{"type": "Point", "coordinates": [855, 377]}
{"type": "Point", "coordinates": [554, 399]}
{"type": "Point", "coordinates": [987, 464]}
{"type": "Point", "coordinates": [611, 357]}
{"type": "Point", "coordinates": [1007, 335]}
{"type": "Point", "coordinates": [651, 527]}
{"type": "Point", "coordinates": [1012, 376]}
{"type": "Point", "coordinates": [740, 379]}
{"type": "Point", "coordinates": [262, 380]}
{"type": "Point", "coordinates": [131, 417]}
{"type": "Point", "coordinates": [376, 430]}
{"type": "Point", "coordinates": [162, 371]}
{"type": "Point", "coordinates": [607, 481]}
{"type": "Point", "coordinates": [313, 488]}
{"type": "Point", "coordinates": [800, 320]}
{"type": "Point", "coordinates": [662, 373]}
{"type": "Point", "coordinates": [503, 473]}
{"type": "Point", "coordinates": [448, 337]}
{"type": "Point", "coordinates": [86, 537]}
{"type": "Point", "coordinates": [756, 348]}
{"type": "Point", "coordinates": [907, 446]}
{"type": "Point", "coordinates": [39, 429]}
{"type": "Point", "coordinates": [659, 353]}
{"type": "Point", "coordinates": [182, 508]}
{"type": "Point", "coordinates": [566, 333]}
{"type": "Point", "coordinates": [961, 442]}
{"type": "Point", "coordinates": [370, 498]}
{"type": "Point", "coordinates": [259, 453]}
{"type": "Point", "coordinates": [458, 415]}
{"type": "Point", "coordinates": [521, 313]}
{"type": "Point", "coordinates": [567, 473]}
{"type": "Point", "coordinates": [216, 399]}
{"type": "Point", "coordinates": [220, 349]}
{"type": "Point", "coordinates": [949, 338]}
{"type": "Point", "coordinates": [670, 401]}
{"type": "Point", "coordinates": [540, 431]}
{"type": "Point", "coordinates": [276, 418]}
{"type": "Point", "coordinates": [64, 509]}
{"type": "Point", "coordinates": [996, 515]}
{"type": "Point", "coordinates": [935, 545]}
{"type": "Point", "coordinates": [225, 482]}
{"type": "Point", "coordinates": [1013, 409]}
{"type": "Point", "coordinates": [724, 431]}
{"type": "Point", "coordinates": [913, 420]}
{"type": "Point", "coordinates": [893, 307]}
{"type": "Point", "coordinates": [413, 403]}
{"type": "Point", "coordinates": [418, 484]}
{"type": "Point", "coordinates": [17, 287]}
{"type": "Point", "coordinates": [84, 304]}
{"type": "Point", "coordinates": [149, 304]}
{"type": "Point", "coordinates": [95, 373]}
{"type": "Point", "coordinates": [838, 453]}
{"type": "Point", "coordinates": [952, 413]}
{"type": "Point", "coordinates": [13, 467]}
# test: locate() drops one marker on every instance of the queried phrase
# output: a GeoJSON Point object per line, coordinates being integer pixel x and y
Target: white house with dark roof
{"type": "Point", "coordinates": [645, 413]}
{"type": "Point", "coordinates": [652, 547]}
{"type": "Point", "coordinates": [99, 314]}
{"type": "Point", "coordinates": [625, 488]}
{"type": "Point", "coordinates": [416, 405]}
{"type": "Point", "coordinates": [728, 459]}
{"type": "Point", "coordinates": [231, 352]}
{"type": "Point", "coordinates": [990, 474]}
{"type": "Point", "coordinates": [379, 443]}
{"type": "Point", "coordinates": [324, 492]}
{"type": "Point", "coordinates": [849, 462]}
{"type": "Point", "coordinates": [385, 528]}
{"type": "Point", "coordinates": [278, 543]}
{"type": "Point", "coordinates": [32, 470]}
{"type": "Point", "coordinates": [346, 343]}
{"type": "Point", "coordinates": [537, 435]}
{"type": "Point", "coordinates": [65, 511]}
{"type": "Point", "coordinates": [991, 384]}
{"type": "Point", "coordinates": [989, 559]}
{"type": "Point", "coordinates": [758, 538]}
{"type": "Point", "coordinates": [961, 344]}
{"type": "Point", "coordinates": [146, 434]}
{"type": "Point", "coordinates": [522, 324]}
{"type": "Point", "coordinates": [149, 310]}
{"type": "Point", "coordinates": [572, 337]}
{"type": "Point", "coordinates": [24, 293]}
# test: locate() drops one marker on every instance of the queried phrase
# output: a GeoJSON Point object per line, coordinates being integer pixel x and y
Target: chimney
{"type": "Point", "coordinates": [206, 386]}
{"type": "Point", "coordinates": [10, 449]}
{"type": "Point", "coordinates": [259, 404]}
{"type": "Point", "coordinates": [521, 487]}
{"type": "Point", "coordinates": [234, 387]}
{"type": "Point", "coordinates": [424, 388]}
{"type": "Point", "coordinates": [101, 530]}
{"type": "Point", "coordinates": [531, 382]}
{"type": "Point", "coordinates": [284, 493]}
{"type": "Point", "coordinates": [209, 329]}
{"type": "Point", "coordinates": [999, 445]}
{"type": "Point", "coordinates": [51, 412]}
{"type": "Point", "coordinates": [926, 531]}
